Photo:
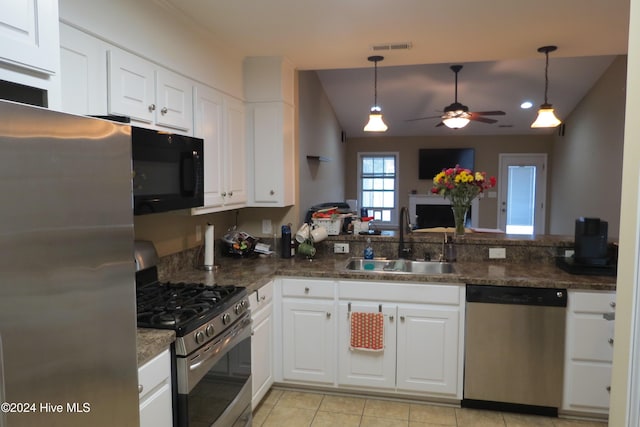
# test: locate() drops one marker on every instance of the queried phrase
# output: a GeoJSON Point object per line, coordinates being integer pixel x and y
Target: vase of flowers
{"type": "Point", "coordinates": [460, 186]}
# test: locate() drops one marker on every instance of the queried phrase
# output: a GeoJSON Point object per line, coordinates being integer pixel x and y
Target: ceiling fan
{"type": "Point", "coordinates": [456, 115]}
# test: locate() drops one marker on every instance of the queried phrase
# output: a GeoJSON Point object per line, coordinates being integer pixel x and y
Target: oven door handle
{"type": "Point", "coordinates": [220, 344]}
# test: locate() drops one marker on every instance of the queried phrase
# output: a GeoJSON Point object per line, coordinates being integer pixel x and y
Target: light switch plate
{"type": "Point", "coordinates": [497, 253]}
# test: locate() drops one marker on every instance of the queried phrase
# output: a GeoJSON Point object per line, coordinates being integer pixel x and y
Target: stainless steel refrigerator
{"type": "Point", "coordinates": [67, 275]}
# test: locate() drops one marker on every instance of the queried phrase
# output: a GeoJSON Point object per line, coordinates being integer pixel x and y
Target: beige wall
{"type": "Point", "coordinates": [487, 149]}
{"type": "Point", "coordinates": [586, 172]}
{"type": "Point", "coordinates": [320, 135]}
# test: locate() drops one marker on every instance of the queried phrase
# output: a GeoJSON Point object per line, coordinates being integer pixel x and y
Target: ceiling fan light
{"type": "Point", "coordinates": [455, 122]}
{"type": "Point", "coordinates": [375, 124]}
{"type": "Point", "coordinates": [546, 118]}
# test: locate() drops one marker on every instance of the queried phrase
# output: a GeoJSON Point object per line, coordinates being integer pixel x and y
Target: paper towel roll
{"type": "Point", "coordinates": [208, 246]}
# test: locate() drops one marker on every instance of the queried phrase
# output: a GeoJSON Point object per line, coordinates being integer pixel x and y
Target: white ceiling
{"type": "Point", "coordinates": [495, 40]}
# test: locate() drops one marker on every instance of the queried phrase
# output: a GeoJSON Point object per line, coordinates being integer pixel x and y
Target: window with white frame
{"type": "Point", "coordinates": [378, 186]}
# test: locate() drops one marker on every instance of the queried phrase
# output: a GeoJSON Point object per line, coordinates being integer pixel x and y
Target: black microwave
{"type": "Point", "coordinates": [168, 171]}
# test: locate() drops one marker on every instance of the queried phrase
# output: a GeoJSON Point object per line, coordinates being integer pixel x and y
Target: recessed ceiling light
{"type": "Point", "coordinates": [526, 104]}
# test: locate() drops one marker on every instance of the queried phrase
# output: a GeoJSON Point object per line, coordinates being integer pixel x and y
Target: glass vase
{"type": "Point", "coordinates": [459, 218]}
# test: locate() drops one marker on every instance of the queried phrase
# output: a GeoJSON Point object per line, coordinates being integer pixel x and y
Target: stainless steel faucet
{"type": "Point", "coordinates": [405, 226]}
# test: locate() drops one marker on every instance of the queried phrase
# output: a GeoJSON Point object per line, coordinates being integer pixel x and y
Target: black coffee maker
{"type": "Point", "coordinates": [591, 242]}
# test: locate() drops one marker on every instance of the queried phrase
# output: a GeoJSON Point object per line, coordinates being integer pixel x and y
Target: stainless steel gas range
{"type": "Point", "coordinates": [212, 347]}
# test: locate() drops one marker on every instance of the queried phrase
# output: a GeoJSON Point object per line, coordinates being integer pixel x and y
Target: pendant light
{"type": "Point", "coordinates": [376, 124]}
{"type": "Point", "coordinates": [546, 117]}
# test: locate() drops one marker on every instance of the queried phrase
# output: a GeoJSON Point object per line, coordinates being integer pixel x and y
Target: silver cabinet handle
{"type": "Point", "coordinates": [263, 297]}
{"type": "Point", "coordinates": [230, 193]}
{"type": "Point", "coordinates": [140, 388]}
{"type": "Point", "coordinates": [610, 341]}
{"type": "Point", "coordinates": [164, 111]}
{"type": "Point", "coordinates": [223, 194]}
{"type": "Point", "coordinates": [271, 193]}
{"type": "Point", "coordinates": [328, 315]}
{"type": "Point", "coordinates": [306, 290]}
{"type": "Point", "coordinates": [152, 107]}
{"type": "Point", "coordinates": [609, 388]}
{"type": "Point", "coordinates": [391, 318]}
{"type": "Point", "coordinates": [402, 318]}
{"type": "Point", "coordinates": [609, 316]}
{"type": "Point", "coordinates": [612, 304]}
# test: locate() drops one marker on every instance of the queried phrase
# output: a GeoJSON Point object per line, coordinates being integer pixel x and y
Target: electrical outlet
{"type": "Point", "coordinates": [497, 253]}
{"type": "Point", "coordinates": [340, 248]}
{"type": "Point", "coordinates": [267, 228]}
{"type": "Point", "coordinates": [198, 233]}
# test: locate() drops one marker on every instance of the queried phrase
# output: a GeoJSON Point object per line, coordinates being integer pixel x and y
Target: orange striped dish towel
{"type": "Point", "coordinates": [367, 331]}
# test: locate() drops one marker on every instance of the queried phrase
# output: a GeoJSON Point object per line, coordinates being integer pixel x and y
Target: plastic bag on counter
{"type": "Point", "coordinates": [238, 243]}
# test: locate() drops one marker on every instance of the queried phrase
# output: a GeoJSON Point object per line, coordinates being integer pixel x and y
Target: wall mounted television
{"type": "Point", "coordinates": [432, 160]}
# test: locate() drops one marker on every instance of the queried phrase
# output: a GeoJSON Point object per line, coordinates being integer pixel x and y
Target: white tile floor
{"type": "Point", "coordinates": [286, 408]}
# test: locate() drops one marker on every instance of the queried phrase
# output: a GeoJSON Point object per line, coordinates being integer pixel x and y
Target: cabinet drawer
{"type": "Point", "coordinates": [401, 292]}
{"type": "Point", "coordinates": [592, 302]}
{"type": "Point", "coordinates": [308, 288]}
{"type": "Point", "coordinates": [261, 297]}
{"type": "Point", "coordinates": [154, 373]}
{"type": "Point", "coordinates": [588, 387]}
{"type": "Point", "coordinates": [592, 338]}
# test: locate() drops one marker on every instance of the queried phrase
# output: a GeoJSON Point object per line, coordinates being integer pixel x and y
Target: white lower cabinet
{"type": "Point", "coordinates": [308, 336]}
{"type": "Point", "coordinates": [423, 337]}
{"type": "Point", "coordinates": [155, 399]}
{"type": "Point", "coordinates": [262, 342]}
{"type": "Point", "coordinates": [588, 352]}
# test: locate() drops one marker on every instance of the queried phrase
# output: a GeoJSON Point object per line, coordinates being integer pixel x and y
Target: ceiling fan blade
{"type": "Point", "coordinates": [489, 113]}
{"type": "Point", "coordinates": [482, 119]}
{"type": "Point", "coordinates": [424, 118]}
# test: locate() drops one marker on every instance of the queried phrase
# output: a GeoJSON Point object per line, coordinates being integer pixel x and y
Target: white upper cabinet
{"type": "Point", "coordinates": [83, 72]}
{"type": "Point", "coordinates": [149, 93]}
{"type": "Point", "coordinates": [219, 120]}
{"type": "Point", "coordinates": [29, 34]}
{"type": "Point", "coordinates": [269, 91]}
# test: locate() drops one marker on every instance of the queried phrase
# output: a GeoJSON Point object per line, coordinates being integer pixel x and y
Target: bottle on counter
{"type": "Point", "coordinates": [285, 242]}
{"type": "Point", "coordinates": [368, 250]}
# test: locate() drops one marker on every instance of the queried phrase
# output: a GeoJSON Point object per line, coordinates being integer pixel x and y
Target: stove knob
{"type": "Point", "coordinates": [226, 319]}
{"type": "Point", "coordinates": [200, 337]}
{"type": "Point", "coordinates": [239, 308]}
{"type": "Point", "coordinates": [209, 331]}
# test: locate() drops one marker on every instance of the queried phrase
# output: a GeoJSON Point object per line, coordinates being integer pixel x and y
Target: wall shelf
{"type": "Point", "coordinates": [319, 158]}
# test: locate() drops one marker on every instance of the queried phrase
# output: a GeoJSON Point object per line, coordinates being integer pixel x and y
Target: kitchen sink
{"type": "Point", "coordinates": [398, 266]}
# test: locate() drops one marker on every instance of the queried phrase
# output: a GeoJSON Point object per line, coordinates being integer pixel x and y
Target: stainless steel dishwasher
{"type": "Point", "coordinates": [514, 348]}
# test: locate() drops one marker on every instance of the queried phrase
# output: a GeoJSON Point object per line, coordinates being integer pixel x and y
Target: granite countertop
{"type": "Point", "coordinates": [256, 272]}
{"type": "Point", "coordinates": [152, 342]}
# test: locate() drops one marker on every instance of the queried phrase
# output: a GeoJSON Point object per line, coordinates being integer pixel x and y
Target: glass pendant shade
{"type": "Point", "coordinates": [455, 122]}
{"type": "Point", "coordinates": [375, 124]}
{"type": "Point", "coordinates": [546, 118]}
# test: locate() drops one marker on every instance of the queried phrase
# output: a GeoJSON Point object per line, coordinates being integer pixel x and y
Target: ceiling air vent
{"type": "Point", "coordinates": [391, 46]}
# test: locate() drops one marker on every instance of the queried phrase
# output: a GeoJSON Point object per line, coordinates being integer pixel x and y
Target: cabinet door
{"type": "Point", "coordinates": [428, 350]}
{"type": "Point", "coordinates": [272, 144]}
{"type": "Point", "coordinates": [29, 35]}
{"type": "Point", "coordinates": [308, 341]}
{"type": "Point", "coordinates": [261, 353]}
{"type": "Point", "coordinates": [367, 368]}
{"type": "Point", "coordinates": [235, 155]}
{"type": "Point", "coordinates": [83, 72]}
{"type": "Point", "coordinates": [131, 86]}
{"type": "Point", "coordinates": [208, 126]}
{"type": "Point", "coordinates": [156, 398]}
{"type": "Point", "coordinates": [174, 100]}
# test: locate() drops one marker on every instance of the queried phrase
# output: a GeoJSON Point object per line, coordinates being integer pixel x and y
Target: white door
{"type": "Point", "coordinates": [522, 193]}
{"type": "Point", "coordinates": [367, 368]}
